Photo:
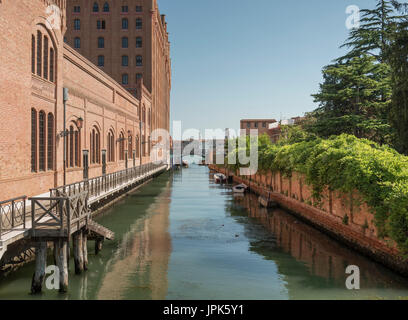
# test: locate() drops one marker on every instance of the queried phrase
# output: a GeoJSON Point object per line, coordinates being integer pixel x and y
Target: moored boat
{"type": "Point", "coordinates": [241, 188]}
{"type": "Point", "coordinates": [266, 202]}
{"type": "Point", "coordinates": [220, 178]}
{"type": "Point", "coordinates": [185, 164]}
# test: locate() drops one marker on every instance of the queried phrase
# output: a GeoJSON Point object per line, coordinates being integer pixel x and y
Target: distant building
{"type": "Point", "coordinates": [274, 130]}
{"type": "Point", "coordinates": [262, 125]}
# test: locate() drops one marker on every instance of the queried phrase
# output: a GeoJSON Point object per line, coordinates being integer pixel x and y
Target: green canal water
{"type": "Point", "coordinates": [184, 237]}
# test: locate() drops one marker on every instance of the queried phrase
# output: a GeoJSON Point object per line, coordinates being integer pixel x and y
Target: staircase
{"type": "Point", "coordinates": [100, 231]}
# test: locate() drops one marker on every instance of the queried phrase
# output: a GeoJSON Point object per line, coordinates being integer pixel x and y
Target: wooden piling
{"type": "Point", "coordinates": [61, 259]}
{"type": "Point", "coordinates": [85, 249]}
{"type": "Point", "coordinates": [40, 265]}
{"type": "Point", "coordinates": [78, 252]}
{"type": "Point", "coordinates": [98, 245]}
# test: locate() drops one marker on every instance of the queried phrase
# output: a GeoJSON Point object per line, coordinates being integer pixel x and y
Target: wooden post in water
{"type": "Point", "coordinates": [40, 265]}
{"type": "Point", "coordinates": [98, 245]}
{"type": "Point", "coordinates": [85, 249]}
{"type": "Point", "coordinates": [78, 252]}
{"type": "Point", "coordinates": [61, 260]}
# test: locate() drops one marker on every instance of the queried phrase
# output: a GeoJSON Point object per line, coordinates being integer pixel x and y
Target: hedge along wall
{"type": "Point", "coordinates": [364, 184]}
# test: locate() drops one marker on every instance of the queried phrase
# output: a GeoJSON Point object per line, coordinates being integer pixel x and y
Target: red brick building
{"type": "Point", "coordinates": [262, 125]}
{"type": "Point", "coordinates": [106, 124]}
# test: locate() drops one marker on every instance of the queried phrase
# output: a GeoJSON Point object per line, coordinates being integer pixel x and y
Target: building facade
{"type": "Point", "coordinates": [129, 41]}
{"type": "Point", "coordinates": [262, 125]}
{"type": "Point", "coordinates": [108, 128]}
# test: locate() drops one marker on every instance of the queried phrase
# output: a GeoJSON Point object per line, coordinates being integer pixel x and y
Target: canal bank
{"type": "Point", "coordinates": [184, 237]}
{"type": "Point", "coordinates": [327, 215]}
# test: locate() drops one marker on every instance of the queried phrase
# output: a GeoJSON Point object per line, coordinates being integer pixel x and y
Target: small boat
{"type": "Point", "coordinates": [185, 164]}
{"type": "Point", "coordinates": [266, 202]}
{"type": "Point", "coordinates": [202, 163]}
{"type": "Point", "coordinates": [220, 178]}
{"type": "Point", "coordinates": [241, 188]}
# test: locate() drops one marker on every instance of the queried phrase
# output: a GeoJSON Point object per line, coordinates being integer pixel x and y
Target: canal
{"type": "Point", "coordinates": [184, 237]}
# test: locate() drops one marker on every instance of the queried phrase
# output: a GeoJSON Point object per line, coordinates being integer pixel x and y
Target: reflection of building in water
{"type": "Point", "coordinates": [138, 269]}
{"type": "Point", "coordinates": [316, 253]}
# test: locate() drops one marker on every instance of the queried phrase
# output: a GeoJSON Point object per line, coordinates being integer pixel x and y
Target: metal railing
{"type": "Point", "coordinates": [103, 184]}
{"type": "Point", "coordinates": [13, 214]}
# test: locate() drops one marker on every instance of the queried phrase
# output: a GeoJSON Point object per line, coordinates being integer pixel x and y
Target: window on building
{"type": "Point", "coordinates": [125, 42]}
{"type": "Point", "coordinates": [39, 53]}
{"type": "Point", "coordinates": [95, 146]}
{"type": "Point", "coordinates": [125, 78]}
{"type": "Point", "coordinates": [125, 61]}
{"type": "Point", "coordinates": [106, 7]}
{"type": "Point", "coordinates": [122, 146]}
{"type": "Point", "coordinates": [139, 8]}
{"type": "Point", "coordinates": [77, 43]}
{"type": "Point", "coordinates": [263, 124]}
{"type": "Point", "coordinates": [77, 9]}
{"type": "Point", "coordinates": [50, 141]}
{"type": "Point", "coordinates": [248, 125]}
{"type": "Point", "coordinates": [101, 42]}
{"type": "Point", "coordinates": [130, 146]}
{"type": "Point", "coordinates": [139, 61]}
{"type": "Point", "coordinates": [52, 57]}
{"type": "Point", "coordinates": [125, 24]}
{"type": "Point", "coordinates": [77, 24]}
{"type": "Point", "coordinates": [139, 42]}
{"type": "Point", "coordinates": [95, 7]}
{"type": "Point", "coordinates": [139, 23]}
{"type": "Point", "coordinates": [65, 39]}
{"type": "Point", "coordinates": [32, 53]}
{"type": "Point", "coordinates": [45, 56]}
{"type": "Point", "coordinates": [100, 24]}
{"type": "Point", "coordinates": [256, 124]}
{"type": "Point", "coordinates": [125, 9]}
{"type": "Point", "coordinates": [137, 147]}
{"type": "Point", "coordinates": [139, 76]}
{"type": "Point", "coordinates": [143, 146]}
{"type": "Point", "coordinates": [111, 146]}
{"type": "Point", "coordinates": [41, 141]}
{"type": "Point", "coordinates": [33, 140]}
{"type": "Point", "coordinates": [101, 61]}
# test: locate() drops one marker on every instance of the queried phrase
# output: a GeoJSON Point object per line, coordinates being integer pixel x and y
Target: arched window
{"type": "Point", "coordinates": [139, 61]}
{"type": "Point", "coordinates": [125, 78]}
{"type": "Point", "coordinates": [137, 147]}
{"type": "Point", "coordinates": [77, 42]}
{"type": "Point", "coordinates": [143, 145]}
{"type": "Point", "coordinates": [45, 65]}
{"type": "Point", "coordinates": [77, 24]}
{"type": "Point", "coordinates": [39, 53]}
{"type": "Point", "coordinates": [150, 118]}
{"type": "Point", "coordinates": [50, 141]}
{"type": "Point", "coordinates": [95, 145]}
{"type": "Point", "coordinates": [41, 141]}
{"type": "Point", "coordinates": [125, 61]}
{"type": "Point", "coordinates": [144, 115]}
{"type": "Point", "coordinates": [125, 42]}
{"type": "Point", "coordinates": [32, 53]}
{"type": "Point", "coordinates": [51, 65]}
{"type": "Point", "coordinates": [101, 61]}
{"type": "Point", "coordinates": [139, 23]}
{"type": "Point", "coordinates": [33, 140]}
{"type": "Point", "coordinates": [73, 146]}
{"type": "Point", "coordinates": [149, 145]}
{"type": "Point", "coordinates": [130, 146]}
{"type": "Point", "coordinates": [101, 42]}
{"type": "Point", "coordinates": [95, 7]}
{"type": "Point", "coordinates": [122, 146]}
{"type": "Point", "coordinates": [106, 7]}
{"type": "Point", "coordinates": [111, 146]}
{"type": "Point", "coordinates": [125, 24]}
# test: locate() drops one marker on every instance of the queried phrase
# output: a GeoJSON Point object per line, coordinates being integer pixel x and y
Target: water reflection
{"type": "Point", "coordinates": [306, 257]}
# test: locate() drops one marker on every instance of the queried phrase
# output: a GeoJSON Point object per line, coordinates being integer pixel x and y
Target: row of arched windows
{"type": "Point", "coordinates": [105, 8]}
{"type": "Point", "coordinates": [42, 141]}
{"type": "Point", "coordinates": [42, 56]}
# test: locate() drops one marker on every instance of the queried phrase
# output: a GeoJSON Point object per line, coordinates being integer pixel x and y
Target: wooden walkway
{"type": "Point", "coordinates": [65, 213]}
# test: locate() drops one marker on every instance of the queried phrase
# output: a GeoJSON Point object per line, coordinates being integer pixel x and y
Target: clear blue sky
{"type": "Point", "coordinates": [235, 59]}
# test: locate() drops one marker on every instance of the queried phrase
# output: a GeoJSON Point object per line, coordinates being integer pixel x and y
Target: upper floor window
{"type": "Point", "coordinates": [139, 42]}
{"type": "Point", "coordinates": [77, 9]}
{"type": "Point", "coordinates": [125, 24]}
{"type": "Point", "coordinates": [101, 61]}
{"type": "Point", "coordinates": [125, 42]}
{"type": "Point", "coordinates": [125, 9]}
{"type": "Point", "coordinates": [139, 23]}
{"type": "Point", "coordinates": [256, 124]}
{"type": "Point", "coordinates": [101, 42]}
{"type": "Point", "coordinates": [100, 24]}
{"type": "Point", "coordinates": [42, 56]}
{"type": "Point", "coordinates": [77, 43]}
{"type": "Point", "coordinates": [95, 7]}
{"type": "Point", "coordinates": [77, 24]}
{"type": "Point", "coordinates": [125, 78]}
{"type": "Point", "coordinates": [106, 7]}
{"type": "Point", "coordinates": [139, 8]}
{"type": "Point", "coordinates": [125, 61]}
{"type": "Point", "coordinates": [248, 125]}
{"type": "Point", "coordinates": [139, 61]}
{"type": "Point", "coordinates": [263, 124]}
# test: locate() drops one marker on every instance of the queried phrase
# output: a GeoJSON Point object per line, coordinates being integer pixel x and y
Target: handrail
{"type": "Point", "coordinates": [12, 214]}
